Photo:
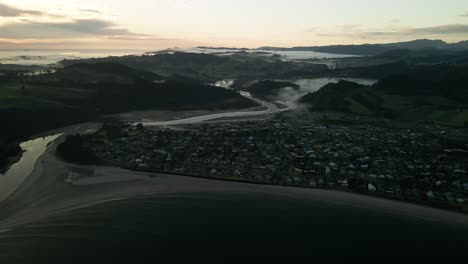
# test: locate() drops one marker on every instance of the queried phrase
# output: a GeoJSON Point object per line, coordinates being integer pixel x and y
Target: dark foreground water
{"type": "Point", "coordinates": [206, 225]}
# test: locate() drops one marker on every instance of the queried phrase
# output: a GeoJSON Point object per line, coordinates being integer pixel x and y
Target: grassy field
{"type": "Point", "coordinates": [430, 109]}
{"type": "Point", "coordinates": [426, 108]}
{"type": "Point", "coordinates": [17, 96]}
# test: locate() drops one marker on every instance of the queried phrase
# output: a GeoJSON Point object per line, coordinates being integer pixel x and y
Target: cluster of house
{"type": "Point", "coordinates": [396, 163]}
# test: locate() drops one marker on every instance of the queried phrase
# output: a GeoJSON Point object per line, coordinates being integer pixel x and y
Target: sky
{"type": "Point", "coordinates": [159, 24]}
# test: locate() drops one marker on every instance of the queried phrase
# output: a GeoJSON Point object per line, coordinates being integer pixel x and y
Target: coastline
{"type": "Point", "coordinates": [10, 153]}
{"type": "Point", "coordinates": [45, 193]}
{"type": "Point", "coordinates": [37, 179]}
{"type": "Point", "coordinates": [50, 190]}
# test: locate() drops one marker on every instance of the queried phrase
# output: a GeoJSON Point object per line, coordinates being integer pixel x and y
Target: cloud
{"type": "Point", "coordinates": [342, 27]}
{"type": "Point", "coordinates": [152, 43]}
{"type": "Point", "coordinates": [349, 26]}
{"type": "Point", "coordinates": [9, 11]}
{"type": "Point", "coordinates": [92, 27]}
{"type": "Point", "coordinates": [464, 14]}
{"type": "Point", "coordinates": [441, 30]}
{"type": "Point", "coordinates": [392, 31]}
{"type": "Point", "coordinates": [60, 30]}
{"type": "Point", "coordinates": [90, 11]}
{"type": "Point", "coordinates": [24, 28]}
{"type": "Point", "coordinates": [34, 26]}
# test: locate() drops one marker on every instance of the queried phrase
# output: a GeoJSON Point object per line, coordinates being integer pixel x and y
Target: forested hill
{"type": "Point", "coordinates": [209, 67]}
{"type": "Point", "coordinates": [83, 92]}
{"type": "Point", "coordinates": [374, 49]}
{"type": "Point", "coordinates": [436, 93]}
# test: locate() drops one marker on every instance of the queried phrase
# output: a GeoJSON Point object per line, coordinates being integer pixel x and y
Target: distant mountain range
{"type": "Point", "coordinates": [374, 49]}
{"type": "Point", "coordinates": [210, 67]}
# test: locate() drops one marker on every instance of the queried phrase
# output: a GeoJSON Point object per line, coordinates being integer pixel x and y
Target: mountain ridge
{"type": "Point", "coordinates": [374, 49]}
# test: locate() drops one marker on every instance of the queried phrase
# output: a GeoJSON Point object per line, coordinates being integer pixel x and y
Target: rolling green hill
{"type": "Point", "coordinates": [398, 62]}
{"type": "Point", "coordinates": [211, 67]}
{"type": "Point", "coordinates": [374, 49]}
{"type": "Point", "coordinates": [436, 94]}
{"type": "Point", "coordinates": [82, 92]}
{"type": "Point", "coordinates": [334, 96]}
{"type": "Point", "coordinates": [112, 87]}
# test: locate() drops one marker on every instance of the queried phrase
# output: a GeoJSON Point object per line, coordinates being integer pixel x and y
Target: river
{"type": "Point", "coordinates": [271, 109]}
{"type": "Point", "coordinates": [163, 215]}
{"type": "Point", "coordinates": [34, 148]}
{"type": "Point", "coordinates": [16, 175]}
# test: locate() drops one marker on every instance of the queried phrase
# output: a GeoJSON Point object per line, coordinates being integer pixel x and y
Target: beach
{"type": "Point", "coordinates": [46, 192]}
{"type": "Point", "coordinates": [60, 202]}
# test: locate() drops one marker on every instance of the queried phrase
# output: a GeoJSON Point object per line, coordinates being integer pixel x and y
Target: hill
{"type": "Point", "coordinates": [374, 49]}
{"type": "Point", "coordinates": [19, 68]}
{"type": "Point", "coordinates": [115, 87]}
{"type": "Point", "coordinates": [209, 67]}
{"type": "Point", "coordinates": [446, 81]}
{"type": "Point", "coordinates": [397, 62]}
{"type": "Point", "coordinates": [84, 92]}
{"type": "Point", "coordinates": [82, 74]}
{"type": "Point", "coordinates": [432, 94]}
{"type": "Point", "coordinates": [334, 96]}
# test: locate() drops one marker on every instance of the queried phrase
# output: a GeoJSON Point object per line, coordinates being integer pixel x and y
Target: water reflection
{"type": "Point", "coordinates": [18, 173]}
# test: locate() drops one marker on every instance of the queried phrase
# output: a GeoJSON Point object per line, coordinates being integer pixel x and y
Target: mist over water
{"type": "Point", "coordinates": [285, 55]}
{"type": "Point", "coordinates": [292, 96]}
{"type": "Point", "coordinates": [45, 57]}
{"type": "Point", "coordinates": [51, 56]}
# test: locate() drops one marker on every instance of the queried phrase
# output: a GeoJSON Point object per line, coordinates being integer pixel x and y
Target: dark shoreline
{"type": "Point", "coordinates": [10, 153]}
{"type": "Point", "coordinates": [344, 190]}
{"type": "Point", "coordinates": [62, 217]}
{"type": "Point", "coordinates": [154, 173]}
{"type": "Point", "coordinates": [190, 225]}
{"type": "Point", "coordinates": [16, 130]}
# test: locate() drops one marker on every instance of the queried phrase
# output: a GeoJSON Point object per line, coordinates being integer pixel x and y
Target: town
{"type": "Point", "coordinates": [414, 165]}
